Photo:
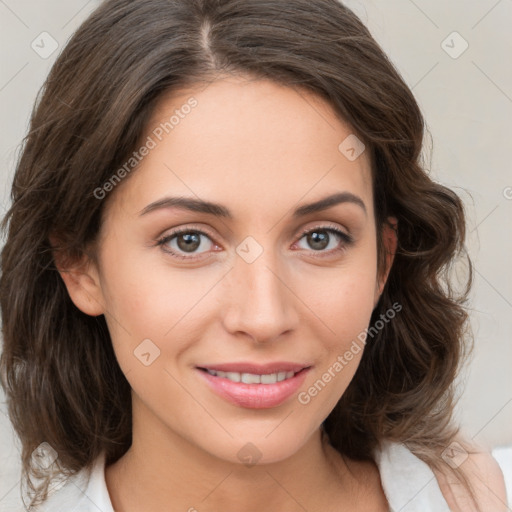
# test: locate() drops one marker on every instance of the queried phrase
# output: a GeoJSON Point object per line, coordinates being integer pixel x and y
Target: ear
{"type": "Point", "coordinates": [81, 277]}
{"type": "Point", "coordinates": [390, 240]}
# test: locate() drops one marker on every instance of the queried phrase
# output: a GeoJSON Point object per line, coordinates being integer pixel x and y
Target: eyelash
{"type": "Point", "coordinates": [347, 241]}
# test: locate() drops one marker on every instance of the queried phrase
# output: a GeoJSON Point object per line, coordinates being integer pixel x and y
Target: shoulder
{"type": "Point", "coordinates": [411, 484]}
{"type": "Point", "coordinates": [408, 482]}
{"type": "Point", "coordinates": [485, 478]}
{"type": "Point", "coordinates": [65, 494]}
{"type": "Point", "coordinates": [85, 491]}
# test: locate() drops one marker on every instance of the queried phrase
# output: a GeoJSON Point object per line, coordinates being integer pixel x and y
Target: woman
{"type": "Point", "coordinates": [225, 277]}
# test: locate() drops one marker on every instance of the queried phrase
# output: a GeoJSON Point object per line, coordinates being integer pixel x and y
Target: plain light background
{"type": "Point", "coordinates": [463, 83]}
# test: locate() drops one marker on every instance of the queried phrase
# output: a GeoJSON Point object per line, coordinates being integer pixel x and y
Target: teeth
{"type": "Point", "coordinates": [251, 378]}
{"type": "Point", "coordinates": [271, 378]}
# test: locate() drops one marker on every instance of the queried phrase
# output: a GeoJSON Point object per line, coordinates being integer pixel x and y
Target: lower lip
{"type": "Point", "coordinates": [255, 396]}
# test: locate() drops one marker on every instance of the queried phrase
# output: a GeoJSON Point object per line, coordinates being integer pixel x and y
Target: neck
{"type": "Point", "coordinates": [163, 469]}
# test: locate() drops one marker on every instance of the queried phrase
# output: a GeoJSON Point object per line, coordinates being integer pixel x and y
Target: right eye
{"type": "Point", "coordinates": [185, 241]}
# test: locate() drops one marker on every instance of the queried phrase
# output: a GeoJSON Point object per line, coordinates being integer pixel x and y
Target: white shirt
{"type": "Point", "coordinates": [503, 456]}
{"type": "Point", "coordinates": [408, 483]}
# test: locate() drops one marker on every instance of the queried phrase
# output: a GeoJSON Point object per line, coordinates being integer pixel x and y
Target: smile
{"type": "Point", "coordinates": [258, 387]}
{"type": "Point", "coordinates": [252, 378]}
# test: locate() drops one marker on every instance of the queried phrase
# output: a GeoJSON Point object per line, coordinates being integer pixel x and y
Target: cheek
{"type": "Point", "coordinates": [151, 300]}
{"type": "Point", "coordinates": [345, 303]}
{"type": "Point", "coordinates": [347, 315]}
{"type": "Point", "coordinates": [343, 298]}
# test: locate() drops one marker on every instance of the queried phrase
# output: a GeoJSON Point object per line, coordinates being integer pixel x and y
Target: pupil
{"type": "Point", "coordinates": [192, 241]}
{"type": "Point", "coordinates": [318, 239]}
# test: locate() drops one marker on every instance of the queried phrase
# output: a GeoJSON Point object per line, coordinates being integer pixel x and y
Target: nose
{"type": "Point", "coordinates": [261, 303]}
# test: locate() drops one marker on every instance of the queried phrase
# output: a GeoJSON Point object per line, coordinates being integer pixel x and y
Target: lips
{"type": "Point", "coordinates": [258, 369]}
{"type": "Point", "coordinates": [254, 385]}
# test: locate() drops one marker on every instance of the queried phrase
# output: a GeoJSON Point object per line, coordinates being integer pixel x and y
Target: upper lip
{"type": "Point", "coordinates": [257, 369]}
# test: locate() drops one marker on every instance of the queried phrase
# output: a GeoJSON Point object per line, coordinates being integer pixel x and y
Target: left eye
{"type": "Point", "coordinates": [189, 241]}
{"type": "Point", "coordinates": [319, 239]}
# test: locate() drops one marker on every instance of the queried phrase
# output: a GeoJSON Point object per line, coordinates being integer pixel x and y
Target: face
{"type": "Point", "coordinates": [257, 285]}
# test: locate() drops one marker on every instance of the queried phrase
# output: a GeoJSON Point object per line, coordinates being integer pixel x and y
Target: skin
{"type": "Point", "coordinates": [261, 150]}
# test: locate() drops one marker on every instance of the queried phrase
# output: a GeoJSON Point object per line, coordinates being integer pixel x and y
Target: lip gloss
{"type": "Point", "coordinates": [254, 396]}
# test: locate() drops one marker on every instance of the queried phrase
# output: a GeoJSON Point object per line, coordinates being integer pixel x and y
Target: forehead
{"type": "Point", "coordinates": [252, 144]}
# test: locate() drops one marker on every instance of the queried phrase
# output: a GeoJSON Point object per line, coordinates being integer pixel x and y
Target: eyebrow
{"type": "Point", "coordinates": [218, 210]}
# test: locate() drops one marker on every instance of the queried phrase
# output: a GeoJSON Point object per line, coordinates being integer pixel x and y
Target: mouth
{"type": "Point", "coordinates": [252, 378]}
{"type": "Point", "coordinates": [255, 386]}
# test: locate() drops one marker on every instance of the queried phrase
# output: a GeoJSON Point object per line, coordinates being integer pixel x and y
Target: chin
{"type": "Point", "coordinates": [256, 450]}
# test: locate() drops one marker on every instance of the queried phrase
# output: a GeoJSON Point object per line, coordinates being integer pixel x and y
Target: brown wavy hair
{"type": "Point", "coordinates": [61, 378]}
